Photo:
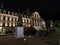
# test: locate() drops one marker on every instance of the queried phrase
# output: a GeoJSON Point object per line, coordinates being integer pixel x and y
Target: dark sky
{"type": "Point", "coordinates": [49, 9]}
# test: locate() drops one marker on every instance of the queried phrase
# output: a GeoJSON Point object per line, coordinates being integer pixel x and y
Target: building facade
{"type": "Point", "coordinates": [7, 21]}
{"type": "Point", "coordinates": [37, 21]}
{"type": "Point", "coordinates": [34, 20]}
{"type": "Point", "coordinates": [26, 21]}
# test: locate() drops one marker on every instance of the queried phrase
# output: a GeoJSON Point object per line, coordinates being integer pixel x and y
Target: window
{"type": "Point", "coordinates": [15, 19]}
{"type": "Point", "coordinates": [23, 20]}
{"type": "Point", "coordinates": [8, 24]}
{"type": "Point", "coordinates": [3, 23]}
{"type": "Point", "coordinates": [12, 19]}
{"type": "Point", "coordinates": [26, 21]}
{"type": "Point", "coordinates": [8, 18]}
{"type": "Point", "coordinates": [3, 17]}
{"type": "Point", "coordinates": [29, 25]}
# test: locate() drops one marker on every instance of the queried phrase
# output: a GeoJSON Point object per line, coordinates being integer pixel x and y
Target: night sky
{"type": "Point", "coordinates": [48, 9]}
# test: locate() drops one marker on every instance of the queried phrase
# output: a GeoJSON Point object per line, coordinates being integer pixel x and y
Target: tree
{"type": "Point", "coordinates": [30, 31]}
{"type": "Point", "coordinates": [57, 26]}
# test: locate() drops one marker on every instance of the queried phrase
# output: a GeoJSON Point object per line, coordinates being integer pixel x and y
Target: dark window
{"type": "Point", "coordinates": [3, 23]}
{"type": "Point", "coordinates": [12, 19]}
{"type": "Point", "coordinates": [27, 21]}
{"type": "Point", "coordinates": [33, 22]}
{"type": "Point", "coordinates": [15, 19]}
{"type": "Point", "coordinates": [3, 17]}
{"type": "Point", "coordinates": [8, 18]}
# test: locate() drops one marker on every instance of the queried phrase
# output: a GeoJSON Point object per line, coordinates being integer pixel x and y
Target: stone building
{"type": "Point", "coordinates": [26, 21]}
{"type": "Point", "coordinates": [34, 20]}
{"type": "Point", "coordinates": [37, 21]}
{"type": "Point", "coordinates": [7, 21]}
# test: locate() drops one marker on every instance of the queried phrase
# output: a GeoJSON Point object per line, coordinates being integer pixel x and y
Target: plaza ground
{"type": "Point", "coordinates": [9, 40]}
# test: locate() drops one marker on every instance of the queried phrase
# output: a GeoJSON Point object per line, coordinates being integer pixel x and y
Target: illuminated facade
{"type": "Point", "coordinates": [34, 20]}
{"type": "Point", "coordinates": [37, 21]}
{"type": "Point", "coordinates": [26, 21]}
{"type": "Point", "coordinates": [7, 21]}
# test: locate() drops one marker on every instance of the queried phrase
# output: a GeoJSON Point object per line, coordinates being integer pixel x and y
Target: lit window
{"type": "Point", "coordinates": [10, 18]}
{"type": "Point", "coordinates": [0, 29]}
{"type": "Point", "coordinates": [13, 24]}
{"type": "Point", "coordinates": [6, 24]}
{"type": "Point", "coordinates": [13, 19]}
{"type": "Point", "coordinates": [1, 17]}
{"type": "Point", "coordinates": [29, 21]}
{"type": "Point", "coordinates": [9, 24]}
{"type": "Point", "coordinates": [26, 21]}
{"type": "Point", "coordinates": [1, 23]}
{"type": "Point", "coordinates": [29, 25]}
{"type": "Point", "coordinates": [23, 20]}
{"type": "Point", "coordinates": [6, 18]}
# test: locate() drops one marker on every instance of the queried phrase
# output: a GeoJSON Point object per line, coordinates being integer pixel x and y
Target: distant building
{"type": "Point", "coordinates": [26, 21]}
{"type": "Point", "coordinates": [37, 21]}
{"type": "Point", "coordinates": [33, 20]}
{"type": "Point", "coordinates": [7, 21]}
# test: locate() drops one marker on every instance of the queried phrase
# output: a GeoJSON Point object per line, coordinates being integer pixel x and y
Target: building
{"type": "Point", "coordinates": [37, 21]}
{"type": "Point", "coordinates": [26, 21]}
{"type": "Point", "coordinates": [7, 21]}
{"type": "Point", "coordinates": [34, 20]}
